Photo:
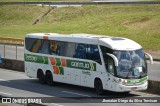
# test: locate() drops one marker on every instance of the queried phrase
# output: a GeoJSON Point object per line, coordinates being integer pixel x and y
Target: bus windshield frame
{"type": "Point", "coordinates": [131, 64]}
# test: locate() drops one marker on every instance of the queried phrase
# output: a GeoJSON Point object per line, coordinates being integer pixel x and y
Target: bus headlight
{"type": "Point", "coordinates": [121, 81]}
{"type": "Point", "coordinates": [124, 81]}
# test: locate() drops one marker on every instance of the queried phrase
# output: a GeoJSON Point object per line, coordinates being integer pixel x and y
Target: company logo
{"type": "Point", "coordinates": [6, 100]}
{"type": "Point", "coordinates": [80, 65]}
{"type": "Point", "coordinates": [31, 58]}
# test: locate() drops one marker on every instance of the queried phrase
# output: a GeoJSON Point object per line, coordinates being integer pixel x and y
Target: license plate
{"type": "Point", "coordinates": [133, 88]}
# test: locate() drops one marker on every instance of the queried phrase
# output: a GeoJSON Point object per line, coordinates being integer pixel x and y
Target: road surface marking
{"type": "Point", "coordinates": [4, 80]}
{"type": "Point", "coordinates": [2, 69]}
{"type": "Point", "coordinates": [5, 93]}
{"type": "Point", "coordinates": [56, 104]}
{"type": "Point", "coordinates": [155, 62]}
{"type": "Point", "coordinates": [76, 93]}
{"type": "Point", "coordinates": [145, 94]}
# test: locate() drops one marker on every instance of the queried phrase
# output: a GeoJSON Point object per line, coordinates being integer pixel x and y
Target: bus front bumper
{"type": "Point", "coordinates": [135, 87]}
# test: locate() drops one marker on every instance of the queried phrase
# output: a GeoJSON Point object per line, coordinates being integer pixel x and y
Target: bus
{"type": "Point", "coordinates": [96, 61]}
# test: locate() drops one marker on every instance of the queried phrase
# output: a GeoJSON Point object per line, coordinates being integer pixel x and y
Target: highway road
{"type": "Point", "coordinates": [16, 84]}
{"type": "Point", "coordinates": [10, 52]}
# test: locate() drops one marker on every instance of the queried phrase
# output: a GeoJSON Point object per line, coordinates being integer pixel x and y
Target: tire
{"type": "Point", "coordinates": [126, 93]}
{"type": "Point", "coordinates": [41, 77]}
{"type": "Point", "coordinates": [98, 87]}
{"type": "Point", "coordinates": [49, 79]}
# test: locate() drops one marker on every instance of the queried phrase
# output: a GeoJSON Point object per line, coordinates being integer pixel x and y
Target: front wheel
{"type": "Point", "coordinates": [49, 79]}
{"type": "Point", "coordinates": [99, 87]}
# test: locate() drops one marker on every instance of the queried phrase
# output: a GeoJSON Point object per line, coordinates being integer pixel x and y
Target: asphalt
{"type": "Point", "coordinates": [16, 84]}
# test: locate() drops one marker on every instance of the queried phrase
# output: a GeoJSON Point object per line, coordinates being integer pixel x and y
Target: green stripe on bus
{"type": "Point", "coordinates": [36, 59]}
{"type": "Point", "coordinates": [61, 70]}
{"type": "Point", "coordinates": [69, 63]}
{"type": "Point", "coordinates": [58, 62]}
{"type": "Point", "coordinates": [137, 80]}
{"type": "Point", "coordinates": [94, 64]}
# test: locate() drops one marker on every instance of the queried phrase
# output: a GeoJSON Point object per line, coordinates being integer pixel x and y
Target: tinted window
{"type": "Point", "coordinates": [54, 47]}
{"type": "Point", "coordinates": [33, 44]}
{"type": "Point", "coordinates": [85, 51]}
{"type": "Point", "coordinates": [68, 49]}
{"type": "Point", "coordinates": [106, 50]}
{"type": "Point", "coordinates": [44, 47]}
{"type": "Point", "coordinates": [62, 48]}
{"type": "Point", "coordinates": [109, 62]}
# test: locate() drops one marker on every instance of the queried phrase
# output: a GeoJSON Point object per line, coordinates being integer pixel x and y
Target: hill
{"type": "Point", "coordinates": [137, 22]}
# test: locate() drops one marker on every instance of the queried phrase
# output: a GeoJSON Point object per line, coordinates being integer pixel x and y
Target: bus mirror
{"type": "Point", "coordinates": [150, 58]}
{"type": "Point", "coordinates": [114, 58]}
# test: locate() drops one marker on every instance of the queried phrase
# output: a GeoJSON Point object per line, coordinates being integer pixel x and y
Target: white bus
{"type": "Point", "coordinates": [100, 62]}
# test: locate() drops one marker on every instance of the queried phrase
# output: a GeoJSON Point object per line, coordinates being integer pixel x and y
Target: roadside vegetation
{"type": "Point", "coordinates": [41, 0]}
{"type": "Point", "coordinates": [58, 0]}
{"type": "Point", "coordinates": [137, 22]}
{"type": "Point", "coordinates": [2, 104]}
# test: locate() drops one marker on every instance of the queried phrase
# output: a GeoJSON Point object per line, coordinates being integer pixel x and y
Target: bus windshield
{"type": "Point", "coordinates": [132, 64]}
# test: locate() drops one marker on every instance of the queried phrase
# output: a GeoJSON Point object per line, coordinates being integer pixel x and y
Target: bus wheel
{"type": "Point", "coordinates": [99, 87]}
{"type": "Point", "coordinates": [125, 93]}
{"type": "Point", "coordinates": [41, 77]}
{"type": "Point", "coordinates": [49, 78]}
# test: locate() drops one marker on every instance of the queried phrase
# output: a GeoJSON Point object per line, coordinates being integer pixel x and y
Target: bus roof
{"type": "Point", "coordinates": [116, 43]}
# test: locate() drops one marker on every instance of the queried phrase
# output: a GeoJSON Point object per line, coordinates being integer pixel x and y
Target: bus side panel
{"type": "Point", "coordinates": [31, 69]}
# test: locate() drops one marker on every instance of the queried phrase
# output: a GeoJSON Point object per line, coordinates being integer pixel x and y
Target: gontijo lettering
{"type": "Point", "coordinates": [80, 65]}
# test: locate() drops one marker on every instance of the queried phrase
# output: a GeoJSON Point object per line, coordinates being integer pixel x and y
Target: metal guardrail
{"type": "Point", "coordinates": [13, 41]}
{"type": "Point", "coordinates": [5, 42]}
{"type": "Point", "coordinates": [79, 3]}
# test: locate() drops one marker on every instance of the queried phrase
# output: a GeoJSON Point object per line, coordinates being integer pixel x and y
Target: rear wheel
{"type": "Point", "coordinates": [49, 78]}
{"type": "Point", "coordinates": [99, 87]}
{"type": "Point", "coordinates": [41, 77]}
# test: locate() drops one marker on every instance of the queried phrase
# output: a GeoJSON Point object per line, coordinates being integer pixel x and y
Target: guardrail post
{"type": "Point", "coordinates": [4, 50]}
{"type": "Point", "coordinates": [16, 52]}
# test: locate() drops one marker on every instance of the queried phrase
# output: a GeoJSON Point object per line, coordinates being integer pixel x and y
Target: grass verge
{"type": "Point", "coordinates": [137, 22]}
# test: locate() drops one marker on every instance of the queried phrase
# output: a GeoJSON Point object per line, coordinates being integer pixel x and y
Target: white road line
{"type": "Point", "coordinates": [5, 93]}
{"type": "Point", "coordinates": [156, 62]}
{"type": "Point", "coordinates": [56, 104]}
{"type": "Point", "coordinates": [2, 69]}
{"type": "Point", "coordinates": [145, 94]}
{"type": "Point", "coordinates": [76, 93]}
{"type": "Point", "coordinates": [4, 80]}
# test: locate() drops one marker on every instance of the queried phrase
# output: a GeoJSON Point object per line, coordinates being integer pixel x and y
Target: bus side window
{"type": "Point", "coordinates": [80, 51]}
{"type": "Point", "coordinates": [45, 47]}
{"type": "Point", "coordinates": [36, 46]}
{"type": "Point", "coordinates": [110, 65]}
{"type": "Point", "coordinates": [109, 62]}
{"type": "Point", "coordinates": [52, 47]}
{"type": "Point", "coordinates": [93, 53]}
{"type": "Point", "coordinates": [86, 51]}
{"type": "Point", "coordinates": [29, 43]}
{"type": "Point", "coordinates": [70, 51]}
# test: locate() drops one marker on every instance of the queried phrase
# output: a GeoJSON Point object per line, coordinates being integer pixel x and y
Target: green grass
{"type": "Point", "coordinates": [2, 104]}
{"type": "Point", "coordinates": [57, 0]}
{"type": "Point", "coordinates": [40, 0]}
{"type": "Point", "coordinates": [137, 22]}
